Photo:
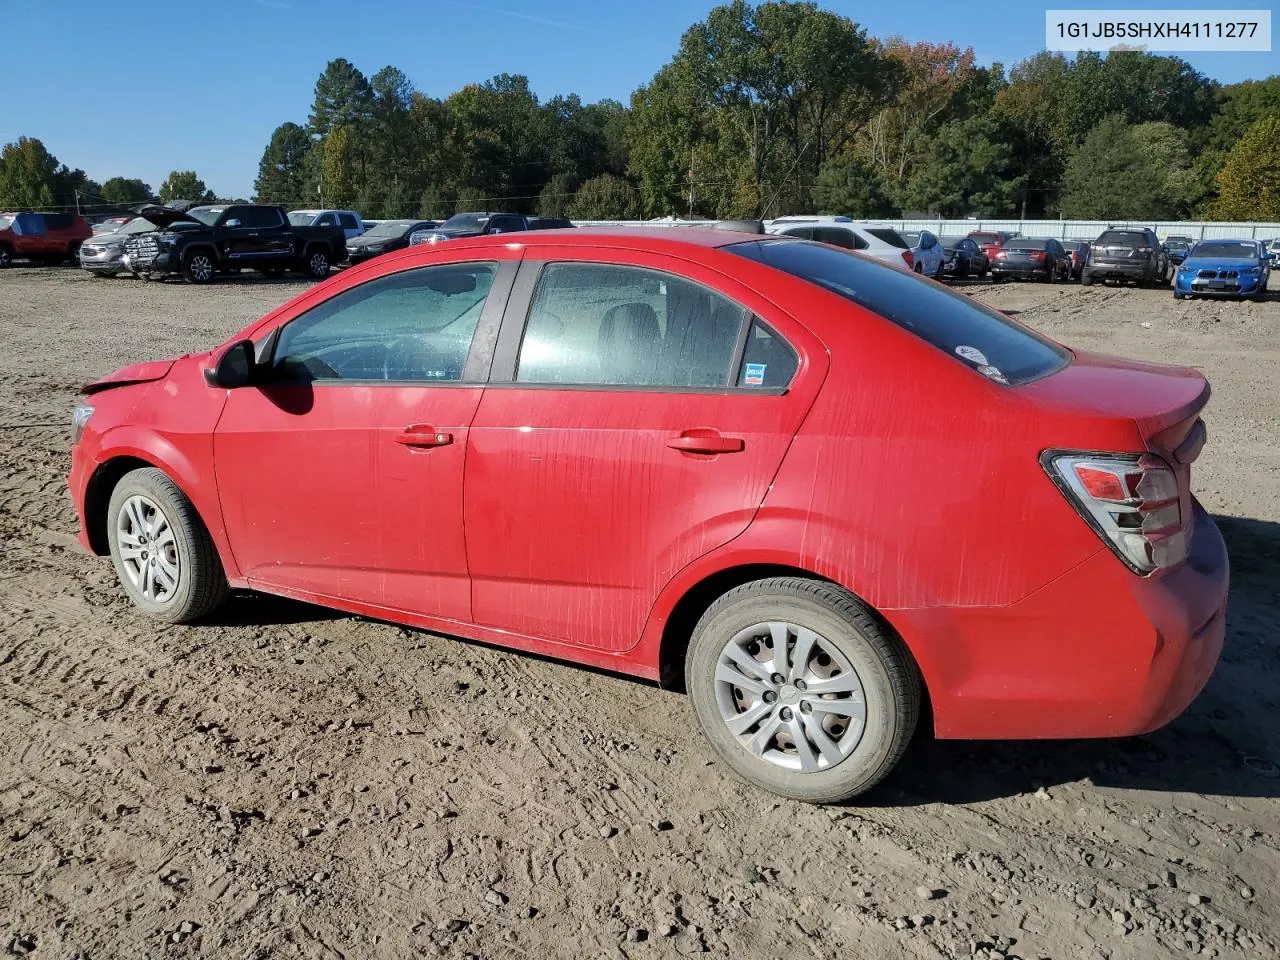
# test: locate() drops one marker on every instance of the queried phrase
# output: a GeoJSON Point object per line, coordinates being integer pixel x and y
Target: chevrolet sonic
{"type": "Point", "coordinates": [818, 493]}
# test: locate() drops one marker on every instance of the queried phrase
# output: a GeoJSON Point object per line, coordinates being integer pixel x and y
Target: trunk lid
{"type": "Point", "coordinates": [1163, 400]}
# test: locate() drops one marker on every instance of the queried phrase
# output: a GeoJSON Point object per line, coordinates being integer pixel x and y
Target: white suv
{"type": "Point", "coordinates": [883, 243]}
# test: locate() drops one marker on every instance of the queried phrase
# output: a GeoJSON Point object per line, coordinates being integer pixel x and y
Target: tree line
{"type": "Point", "coordinates": [767, 109]}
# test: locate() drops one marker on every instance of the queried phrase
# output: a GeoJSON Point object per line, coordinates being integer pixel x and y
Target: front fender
{"type": "Point", "coordinates": [190, 468]}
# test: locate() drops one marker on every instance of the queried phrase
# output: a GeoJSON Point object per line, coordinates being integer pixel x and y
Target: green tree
{"type": "Point", "coordinates": [121, 191]}
{"type": "Point", "coordinates": [338, 167]}
{"type": "Point", "coordinates": [605, 197]}
{"type": "Point", "coordinates": [1240, 106]}
{"type": "Point", "coordinates": [967, 167]}
{"type": "Point", "coordinates": [849, 186]}
{"type": "Point", "coordinates": [28, 175]}
{"type": "Point", "coordinates": [343, 98]}
{"type": "Point", "coordinates": [282, 172]}
{"type": "Point", "coordinates": [184, 185]}
{"type": "Point", "coordinates": [1249, 183]}
{"type": "Point", "coordinates": [1123, 173]}
{"type": "Point", "coordinates": [1140, 87]}
{"type": "Point", "coordinates": [557, 195]}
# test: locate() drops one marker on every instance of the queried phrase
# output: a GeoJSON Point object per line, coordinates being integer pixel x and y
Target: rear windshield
{"type": "Point", "coordinates": [891, 237]}
{"type": "Point", "coordinates": [1027, 243]}
{"type": "Point", "coordinates": [1235, 249]}
{"type": "Point", "coordinates": [4, 222]}
{"type": "Point", "coordinates": [986, 340]}
{"type": "Point", "coordinates": [301, 219]}
{"type": "Point", "coordinates": [1122, 238]}
{"type": "Point", "coordinates": [985, 237]}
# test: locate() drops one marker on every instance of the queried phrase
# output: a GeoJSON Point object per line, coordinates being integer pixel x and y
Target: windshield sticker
{"type": "Point", "coordinates": [753, 374]}
{"type": "Point", "coordinates": [972, 354]}
{"type": "Point", "coordinates": [993, 373]}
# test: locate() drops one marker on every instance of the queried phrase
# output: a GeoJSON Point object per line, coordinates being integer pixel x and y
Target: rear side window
{"type": "Point", "coordinates": [58, 221]}
{"type": "Point", "coordinates": [839, 238]}
{"type": "Point", "coordinates": [627, 326]}
{"type": "Point", "coordinates": [260, 217]}
{"type": "Point", "coordinates": [768, 361]}
{"type": "Point", "coordinates": [804, 233]}
{"type": "Point", "coordinates": [986, 340]}
{"type": "Point", "coordinates": [348, 222]}
{"type": "Point", "coordinates": [891, 237]}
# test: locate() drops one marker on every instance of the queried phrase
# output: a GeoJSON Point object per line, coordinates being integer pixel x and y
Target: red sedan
{"type": "Point", "coordinates": [809, 488]}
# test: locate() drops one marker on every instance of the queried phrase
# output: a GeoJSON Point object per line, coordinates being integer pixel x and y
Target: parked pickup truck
{"type": "Point", "coordinates": [483, 224]}
{"type": "Point", "coordinates": [201, 242]}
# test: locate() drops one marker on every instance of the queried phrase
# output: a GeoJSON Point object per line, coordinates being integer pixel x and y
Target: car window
{"type": "Point", "coordinates": [326, 220]}
{"type": "Point", "coordinates": [348, 222]}
{"type": "Point", "coordinates": [768, 361]}
{"type": "Point", "coordinates": [260, 217]}
{"type": "Point", "coordinates": [804, 233]}
{"type": "Point", "coordinates": [29, 225]}
{"type": "Point", "coordinates": [506, 224]}
{"type": "Point", "coordinates": [996, 346]}
{"type": "Point", "coordinates": [837, 237]}
{"type": "Point", "coordinates": [627, 326]}
{"type": "Point", "coordinates": [410, 326]}
{"type": "Point", "coordinates": [57, 221]}
{"type": "Point", "coordinates": [891, 237]}
{"type": "Point", "coordinates": [1123, 238]}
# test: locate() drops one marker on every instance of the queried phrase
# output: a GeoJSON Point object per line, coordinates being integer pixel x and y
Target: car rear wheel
{"type": "Point", "coordinates": [317, 264]}
{"type": "Point", "coordinates": [1086, 278]}
{"type": "Point", "coordinates": [161, 550]}
{"type": "Point", "coordinates": [198, 267]}
{"type": "Point", "coordinates": [800, 690]}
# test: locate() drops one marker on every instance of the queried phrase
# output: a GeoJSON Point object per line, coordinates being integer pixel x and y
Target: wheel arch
{"type": "Point", "coordinates": [97, 496]}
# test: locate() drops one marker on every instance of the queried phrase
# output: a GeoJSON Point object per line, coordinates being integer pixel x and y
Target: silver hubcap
{"type": "Point", "coordinates": [201, 267]}
{"type": "Point", "coordinates": [790, 697]}
{"type": "Point", "coordinates": [148, 549]}
{"type": "Point", "coordinates": [319, 263]}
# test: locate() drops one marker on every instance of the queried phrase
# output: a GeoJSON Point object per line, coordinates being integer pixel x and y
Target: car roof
{"type": "Point", "coordinates": [653, 238]}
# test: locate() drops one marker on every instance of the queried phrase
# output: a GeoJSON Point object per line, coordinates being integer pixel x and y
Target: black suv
{"type": "Point", "coordinates": [1126, 253]}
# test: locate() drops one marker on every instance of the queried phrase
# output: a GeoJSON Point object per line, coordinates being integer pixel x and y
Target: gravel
{"type": "Point", "coordinates": [469, 778]}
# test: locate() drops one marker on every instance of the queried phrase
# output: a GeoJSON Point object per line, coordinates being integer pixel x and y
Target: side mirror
{"type": "Point", "coordinates": [235, 367]}
{"type": "Point", "coordinates": [233, 222]}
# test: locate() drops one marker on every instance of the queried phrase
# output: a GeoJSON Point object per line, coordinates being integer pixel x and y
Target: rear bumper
{"type": "Point", "coordinates": [1099, 652]}
{"type": "Point", "coordinates": [1017, 270]}
{"type": "Point", "coordinates": [1129, 271]}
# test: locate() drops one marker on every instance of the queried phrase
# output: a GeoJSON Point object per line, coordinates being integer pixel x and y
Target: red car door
{"type": "Point", "coordinates": [341, 475]}
{"type": "Point", "coordinates": [632, 425]}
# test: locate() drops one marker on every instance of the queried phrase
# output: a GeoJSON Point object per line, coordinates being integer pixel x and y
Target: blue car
{"type": "Point", "coordinates": [1223, 268]}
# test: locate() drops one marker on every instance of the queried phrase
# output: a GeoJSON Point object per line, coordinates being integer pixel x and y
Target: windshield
{"type": "Point", "coordinates": [5, 222]}
{"type": "Point", "coordinates": [1234, 249]}
{"type": "Point", "coordinates": [466, 221]}
{"type": "Point", "coordinates": [301, 218]}
{"type": "Point", "coordinates": [390, 228]}
{"type": "Point", "coordinates": [990, 342]}
{"type": "Point", "coordinates": [206, 215]}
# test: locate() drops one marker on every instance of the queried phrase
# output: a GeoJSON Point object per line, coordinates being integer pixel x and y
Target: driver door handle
{"type": "Point", "coordinates": [423, 435]}
{"type": "Point", "coordinates": [706, 442]}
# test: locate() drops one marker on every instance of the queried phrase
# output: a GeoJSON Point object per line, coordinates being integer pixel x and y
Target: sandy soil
{"type": "Point", "coordinates": [290, 782]}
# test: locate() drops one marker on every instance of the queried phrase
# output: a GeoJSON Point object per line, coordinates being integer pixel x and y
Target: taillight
{"type": "Point", "coordinates": [1037, 255]}
{"type": "Point", "coordinates": [1002, 255]}
{"type": "Point", "coordinates": [1132, 502]}
{"type": "Point", "coordinates": [908, 259]}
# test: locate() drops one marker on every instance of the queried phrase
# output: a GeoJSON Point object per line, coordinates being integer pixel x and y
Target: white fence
{"type": "Point", "coordinates": [1061, 229]}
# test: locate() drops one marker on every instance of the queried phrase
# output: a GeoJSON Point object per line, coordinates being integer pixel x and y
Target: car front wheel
{"type": "Point", "coordinates": [161, 550]}
{"type": "Point", "coordinates": [800, 690]}
{"type": "Point", "coordinates": [6, 256]}
{"type": "Point", "coordinates": [198, 267]}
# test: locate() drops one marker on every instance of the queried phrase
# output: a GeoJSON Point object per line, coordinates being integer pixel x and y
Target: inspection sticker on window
{"type": "Point", "coordinates": [972, 354]}
{"type": "Point", "coordinates": [753, 374]}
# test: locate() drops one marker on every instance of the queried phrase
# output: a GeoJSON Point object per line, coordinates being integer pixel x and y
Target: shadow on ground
{"type": "Point", "coordinates": [1227, 743]}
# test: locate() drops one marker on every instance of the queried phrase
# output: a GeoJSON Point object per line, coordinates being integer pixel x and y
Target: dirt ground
{"type": "Point", "coordinates": [291, 782]}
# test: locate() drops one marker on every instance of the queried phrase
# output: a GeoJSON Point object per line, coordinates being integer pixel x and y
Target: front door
{"type": "Point", "coordinates": [634, 426]}
{"type": "Point", "coordinates": [341, 475]}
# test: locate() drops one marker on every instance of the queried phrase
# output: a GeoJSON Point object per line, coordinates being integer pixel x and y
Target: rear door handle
{"type": "Point", "coordinates": [706, 442]}
{"type": "Point", "coordinates": [423, 435]}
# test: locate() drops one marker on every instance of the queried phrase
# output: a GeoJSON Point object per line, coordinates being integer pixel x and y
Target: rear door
{"type": "Point", "coordinates": [275, 235]}
{"type": "Point", "coordinates": [632, 424]}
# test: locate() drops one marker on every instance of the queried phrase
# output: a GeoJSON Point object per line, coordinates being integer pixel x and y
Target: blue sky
{"type": "Point", "coordinates": [142, 88]}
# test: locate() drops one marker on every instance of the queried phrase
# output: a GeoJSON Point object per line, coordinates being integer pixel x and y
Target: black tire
{"type": "Point", "coordinates": [1086, 278]}
{"type": "Point", "coordinates": [881, 664]}
{"type": "Point", "coordinates": [937, 274]}
{"type": "Point", "coordinates": [199, 266]}
{"type": "Point", "coordinates": [73, 251]}
{"type": "Point", "coordinates": [272, 273]}
{"type": "Point", "coordinates": [201, 584]}
{"type": "Point", "coordinates": [6, 256]}
{"type": "Point", "coordinates": [317, 263]}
